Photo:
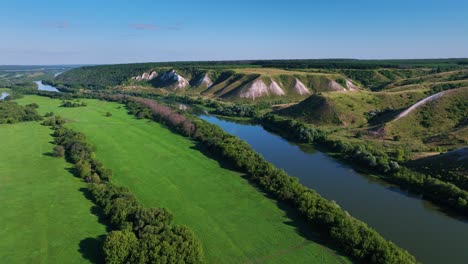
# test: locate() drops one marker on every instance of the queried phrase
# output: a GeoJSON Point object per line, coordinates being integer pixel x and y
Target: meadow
{"type": "Point", "coordinates": [45, 216]}
{"type": "Point", "coordinates": [235, 222]}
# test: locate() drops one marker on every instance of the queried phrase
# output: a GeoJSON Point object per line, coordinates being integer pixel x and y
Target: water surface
{"type": "Point", "coordinates": [45, 87]}
{"type": "Point", "coordinates": [4, 95]}
{"type": "Point", "coordinates": [412, 223]}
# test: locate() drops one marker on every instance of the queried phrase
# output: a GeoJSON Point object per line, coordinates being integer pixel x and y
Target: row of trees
{"type": "Point", "coordinates": [292, 129]}
{"type": "Point", "coordinates": [72, 104]}
{"type": "Point", "coordinates": [446, 189]}
{"type": "Point", "coordinates": [140, 235]}
{"type": "Point", "coordinates": [11, 112]}
{"type": "Point", "coordinates": [439, 191]}
{"type": "Point", "coordinates": [236, 110]}
{"type": "Point", "coordinates": [147, 108]}
{"type": "Point", "coordinates": [351, 235]}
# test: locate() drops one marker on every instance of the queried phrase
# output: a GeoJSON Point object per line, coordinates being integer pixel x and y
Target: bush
{"type": "Point", "coordinates": [59, 151]}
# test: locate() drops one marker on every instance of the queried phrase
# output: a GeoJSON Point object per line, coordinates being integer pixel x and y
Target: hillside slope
{"type": "Point", "coordinates": [351, 109]}
{"type": "Point", "coordinates": [438, 122]}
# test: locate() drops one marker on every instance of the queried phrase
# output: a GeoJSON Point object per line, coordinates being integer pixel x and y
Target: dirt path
{"type": "Point", "coordinates": [420, 103]}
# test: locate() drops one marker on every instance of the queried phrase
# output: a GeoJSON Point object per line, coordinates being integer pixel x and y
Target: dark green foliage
{"type": "Point", "coordinates": [72, 104]}
{"type": "Point", "coordinates": [11, 112]}
{"type": "Point", "coordinates": [236, 110]}
{"type": "Point", "coordinates": [364, 244]}
{"type": "Point", "coordinates": [59, 151]}
{"type": "Point", "coordinates": [119, 246]}
{"type": "Point", "coordinates": [363, 64]}
{"type": "Point", "coordinates": [364, 156]}
{"type": "Point", "coordinates": [33, 105]}
{"type": "Point", "coordinates": [433, 189]}
{"type": "Point", "coordinates": [341, 82]}
{"type": "Point", "coordinates": [292, 129]}
{"type": "Point", "coordinates": [143, 235]}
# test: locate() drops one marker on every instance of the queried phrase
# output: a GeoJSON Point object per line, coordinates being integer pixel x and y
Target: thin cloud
{"type": "Point", "coordinates": [57, 24]}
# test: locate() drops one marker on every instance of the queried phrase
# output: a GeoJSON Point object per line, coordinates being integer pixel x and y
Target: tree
{"type": "Point", "coordinates": [59, 151]}
{"type": "Point", "coordinates": [118, 246]}
{"type": "Point", "coordinates": [83, 168]}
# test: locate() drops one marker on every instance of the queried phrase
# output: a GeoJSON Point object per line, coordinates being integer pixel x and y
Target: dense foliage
{"type": "Point", "coordinates": [11, 112]}
{"type": "Point", "coordinates": [352, 235]}
{"type": "Point", "coordinates": [141, 235]}
{"type": "Point", "coordinates": [361, 64]}
{"type": "Point", "coordinates": [72, 104]}
{"type": "Point", "coordinates": [445, 187]}
{"type": "Point", "coordinates": [236, 110]}
{"type": "Point", "coordinates": [292, 129]}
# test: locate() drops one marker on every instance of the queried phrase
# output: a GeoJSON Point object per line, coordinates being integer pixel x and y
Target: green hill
{"type": "Point", "coordinates": [441, 122]}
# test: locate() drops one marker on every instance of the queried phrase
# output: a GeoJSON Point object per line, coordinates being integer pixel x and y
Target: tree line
{"type": "Point", "coordinates": [351, 235]}
{"type": "Point", "coordinates": [72, 104]}
{"type": "Point", "coordinates": [11, 112]}
{"type": "Point", "coordinates": [442, 190]}
{"type": "Point", "coordinates": [139, 234]}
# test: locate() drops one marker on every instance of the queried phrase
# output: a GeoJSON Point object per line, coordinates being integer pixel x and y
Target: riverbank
{"type": "Point", "coordinates": [404, 218]}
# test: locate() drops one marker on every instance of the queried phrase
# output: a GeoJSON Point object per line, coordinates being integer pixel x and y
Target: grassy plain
{"type": "Point", "coordinates": [235, 222]}
{"type": "Point", "coordinates": [45, 218]}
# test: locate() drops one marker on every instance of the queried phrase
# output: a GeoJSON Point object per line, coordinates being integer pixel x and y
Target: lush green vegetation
{"type": "Point", "coordinates": [353, 236]}
{"type": "Point", "coordinates": [141, 235]}
{"type": "Point", "coordinates": [11, 112]}
{"type": "Point", "coordinates": [234, 221]}
{"type": "Point", "coordinates": [72, 104]}
{"type": "Point", "coordinates": [45, 216]}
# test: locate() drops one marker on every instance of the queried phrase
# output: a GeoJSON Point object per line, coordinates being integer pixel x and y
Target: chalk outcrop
{"type": "Point", "coordinates": [204, 82]}
{"type": "Point", "coordinates": [351, 86]}
{"type": "Point", "coordinates": [334, 86]}
{"type": "Point", "coordinates": [258, 88]}
{"type": "Point", "coordinates": [146, 76]}
{"type": "Point", "coordinates": [300, 88]}
{"type": "Point", "coordinates": [179, 82]}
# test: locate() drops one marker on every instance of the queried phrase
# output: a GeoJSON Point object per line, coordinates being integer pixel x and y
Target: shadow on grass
{"type": "Point", "coordinates": [90, 249]}
{"type": "Point", "coordinates": [205, 151]}
{"type": "Point", "coordinates": [96, 210]}
{"type": "Point", "coordinates": [302, 227]}
{"type": "Point", "coordinates": [49, 154]}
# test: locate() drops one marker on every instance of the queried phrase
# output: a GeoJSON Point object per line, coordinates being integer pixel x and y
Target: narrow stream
{"type": "Point", "coordinates": [412, 223]}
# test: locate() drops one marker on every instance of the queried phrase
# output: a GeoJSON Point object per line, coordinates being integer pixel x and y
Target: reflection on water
{"type": "Point", "coordinates": [412, 223]}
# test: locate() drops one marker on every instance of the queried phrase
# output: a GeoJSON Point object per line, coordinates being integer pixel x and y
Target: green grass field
{"type": "Point", "coordinates": [44, 218]}
{"type": "Point", "coordinates": [235, 222]}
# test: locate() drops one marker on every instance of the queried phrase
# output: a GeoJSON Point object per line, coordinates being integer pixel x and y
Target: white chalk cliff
{"type": "Point", "coordinates": [258, 88]}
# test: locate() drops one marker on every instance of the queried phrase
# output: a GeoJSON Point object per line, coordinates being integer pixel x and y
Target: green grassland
{"type": "Point", "coordinates": [439, 123]}
{"type": "Point", "coordinates": [235, 222]}
{"type": "Point", "coordinates": [45, 218]}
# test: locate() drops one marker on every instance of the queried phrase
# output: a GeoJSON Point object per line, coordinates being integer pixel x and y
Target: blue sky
{"type": "Point", "coordinates": [95, 32]}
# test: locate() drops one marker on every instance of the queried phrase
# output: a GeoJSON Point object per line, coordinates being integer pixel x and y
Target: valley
{"type": "Point", "coordinates": [386, 121]}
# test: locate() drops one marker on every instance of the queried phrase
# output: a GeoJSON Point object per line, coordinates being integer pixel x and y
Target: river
{"type": "Point", "coordinates": [412, 223]}
{"type": "Point", "coordinates": [4, 95]}
{"type": "Point", "coordinates": [45, 87]}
